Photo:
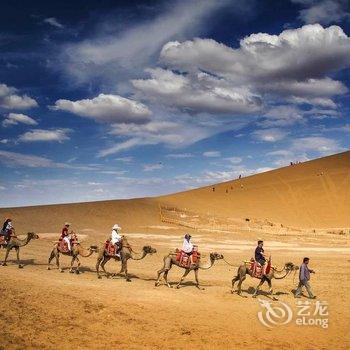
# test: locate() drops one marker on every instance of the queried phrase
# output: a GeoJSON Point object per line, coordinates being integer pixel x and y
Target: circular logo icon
{"type": "Point", "coordinates": [274, 314]}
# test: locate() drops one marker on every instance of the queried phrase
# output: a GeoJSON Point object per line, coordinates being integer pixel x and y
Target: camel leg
{"type": "Point", "coordinates": [196, 276]}
{"type": "Point", "coordinates": [72, 264]}
{"type": "Point", "coordinates": [52, 255]}
{"type": "Point", "coordinates": [58, 262]}
{"type": "Point", "coordinates": [103, 263]}
{"type": "Point", "coordinates": [270, 286]}
{"type": "Point", "coordinates": [6, 256]}
{"type": "Point", "coordinates": [239, 286]}
{"type": "Point", "coordinates": [234, 280]}
{"type": "Point", "coordinates": [78, 265]}
{"type": "Point", "coordinates": [258, 287]}
{"type": "Point", "coordinates": [183, 277]}
{"type": "Point", "coordinates": [98, 267]}
{"type": "Point", "coordinates": [18, 262]}
{"type": "Point", "coordinates": [125, 268]}
{"type": "Point", "coordinates": [165, 276]}
{"type": "Point", "coordinates": [159, 275]}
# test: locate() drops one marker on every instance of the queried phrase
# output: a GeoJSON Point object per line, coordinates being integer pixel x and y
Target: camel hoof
{"type": "Point", "coordinates": [20, 266]}
{"type": "Point", "coordinates": [61, 271]}
{"type": "Point", "coordinates": [77, 272]}
{"type": "Point", "coordinates": [128, 280]}
{"type": "Point", "coordinates": [49, 268]}
{"type": "Point", "coordinates": [156, 284]}
{"type": "Point", "coordinates": [99, 277]}
{"type": "Point", "coordinates": [4, 264]}
{"type": "Point", "coordinates": [71, 271]}
{"type": "Point", "coordinates": [254, 296]}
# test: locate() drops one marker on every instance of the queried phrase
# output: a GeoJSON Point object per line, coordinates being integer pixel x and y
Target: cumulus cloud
{"type": "Point", "coordinates": [199, 92]}
{"type": "Point", "coordinates": [9, 99]}
{"type": "Point", "coordinates": [324, 11]}
{"type": "Point", "coordinates": [322, 145]}
{"type": "Point", "coordinates": [106, 108]}
{"type": "Point", "coordinates": [17, 118]}
{"type": "Point", "coordinates": [293, 65]}
{"type": "Point", "coordinates": [269, 135]}
{"type": "Point", "coordinates": [58, 135]}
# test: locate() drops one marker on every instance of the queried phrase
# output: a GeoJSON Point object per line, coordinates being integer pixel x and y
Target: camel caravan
{"type": "Point", "coordinates": [188, 258]}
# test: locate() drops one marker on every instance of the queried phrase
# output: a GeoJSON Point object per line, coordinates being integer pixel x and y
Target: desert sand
{"type": "Point", "coordinates": [300, 210]}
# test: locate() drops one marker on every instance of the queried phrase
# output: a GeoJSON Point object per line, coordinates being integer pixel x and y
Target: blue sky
{"type": "Point", "coordinates": [113, 99]}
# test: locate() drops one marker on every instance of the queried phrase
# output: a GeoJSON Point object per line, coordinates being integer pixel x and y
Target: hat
{"type": "Point", "coordinates": [67, 224]}
{"type": "Point", "coordinates": [116, 227]}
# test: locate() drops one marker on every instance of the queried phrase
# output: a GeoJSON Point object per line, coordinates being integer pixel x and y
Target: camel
{"type": "Point", "coordinates": [244, 269]}
{"type": "Point", "coordinates": [170, 260]}
{"type": "Point", "coordinates": [125, 253]}
{"type": "Point", "coordinates": [16, 243]}
{"type": "Point", "coordinates": [77, 250]}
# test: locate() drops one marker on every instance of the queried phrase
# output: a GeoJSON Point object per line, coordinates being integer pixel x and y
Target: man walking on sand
{"type": "Point", "coordinates": [304, 278]}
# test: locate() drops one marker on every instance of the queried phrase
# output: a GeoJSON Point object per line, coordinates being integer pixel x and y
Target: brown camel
{"type": "Point", "coordinates": [170, 260]}
{"type": "Point", "coordinates": [77, 250]}
{"type": "Point", "coordinates": [244, 269]}
{"type": "Point", "coordinates": [125, 253]}
{"type": "Point", "coordinates": [16, 243]}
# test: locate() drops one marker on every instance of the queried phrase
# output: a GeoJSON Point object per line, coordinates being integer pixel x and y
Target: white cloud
{"type": "Point", "coordinates": [16, 118]}
{"type": "Point", "coordinates": [179, 155]}
{"type": "Point", "coordinates": [14, 159]}
{"type": "Point", "coordinates": [125, 159]}
{"type": "Point", "coordinates": [282, 116]}
{"type": "Point", "coordinates": [323, 11]}
{"type": "Point", "coordinates": [106, 108]}
{"type": "Point", "coordinates": [172, 134]}
{"type": "Point", "coordinates": [321, 145]}
{"type": "Point", "coordinates": [212, 154]}
{"type": "Point", "coordinates": [234, 160]}
{"type": "Point", "coordinates": [152, 167]}
{"type": "Point", "coordinates": [35, 135]}
{"type": "Point", "coordinates": [199, 92]}
{"type": "Point", "coordinates": [9, 99]}
{"type": "Point", "coordinates": [54, 22]}
{"type": "Point", "coordinates": [293, 65]}
{"type": "Point", "coordinates": [126, 52]}
{"type": "Point", "coordinates": [270, 135]}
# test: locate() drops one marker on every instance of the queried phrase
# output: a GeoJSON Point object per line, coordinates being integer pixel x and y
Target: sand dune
{"type": "Point", "coordinates": [313, 194]}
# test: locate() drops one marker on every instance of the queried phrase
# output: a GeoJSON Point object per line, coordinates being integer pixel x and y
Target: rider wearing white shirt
{"type": "Point", "coordinates": [116, 237]}
{"type": "Point", "coordinates": [187, 245]}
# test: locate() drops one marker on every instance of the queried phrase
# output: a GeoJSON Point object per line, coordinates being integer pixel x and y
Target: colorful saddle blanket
{"type": "Point", "coordinates": [110, 248]}
{"type": "Point", "coordinates": [62, 245]}
{"type": "Point", "coordinates": [186, 260]}
{"type": "Point", "coordinates": [258, 270]}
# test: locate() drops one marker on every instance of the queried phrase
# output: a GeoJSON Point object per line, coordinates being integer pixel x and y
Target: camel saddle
{"type": "Point", "coordinates": [62, 246]}
{"type": "Point", "coordinates": [3, 240]}
{"type": "Point", "coordinates": [185, 260]}
{"type": "Point", "coordinates": [258, 270]}
{"type": "Point", "coordinates": [110, 248]}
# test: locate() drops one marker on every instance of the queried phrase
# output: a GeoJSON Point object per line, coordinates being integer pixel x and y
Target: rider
{"type": "Point", "coordinates": [187, 246]}
{"type": "Point", "coordinates": [116, 238]}
{"type": "Point", "coordinates": [7, 229]}
{"type": "Point", "coordinates": [260, 256]}
{"type": "Point", "coordinates": [65, 235]}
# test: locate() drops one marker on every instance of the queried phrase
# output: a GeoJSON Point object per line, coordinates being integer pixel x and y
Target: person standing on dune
{"type": "Point", "coordinates": [304, 278]}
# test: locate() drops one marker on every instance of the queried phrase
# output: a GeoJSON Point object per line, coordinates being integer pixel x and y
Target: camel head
{"type": "Point", "coordinates": [216, 256]}
{"type": "Point", "coordinates": [289, 266]}
{"type": "Point", "coordinates": [149, 250]}
{"type": "Point", "coordinates": [94, 248]}
{"type": "Point", "coordinates": [32, 235]}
